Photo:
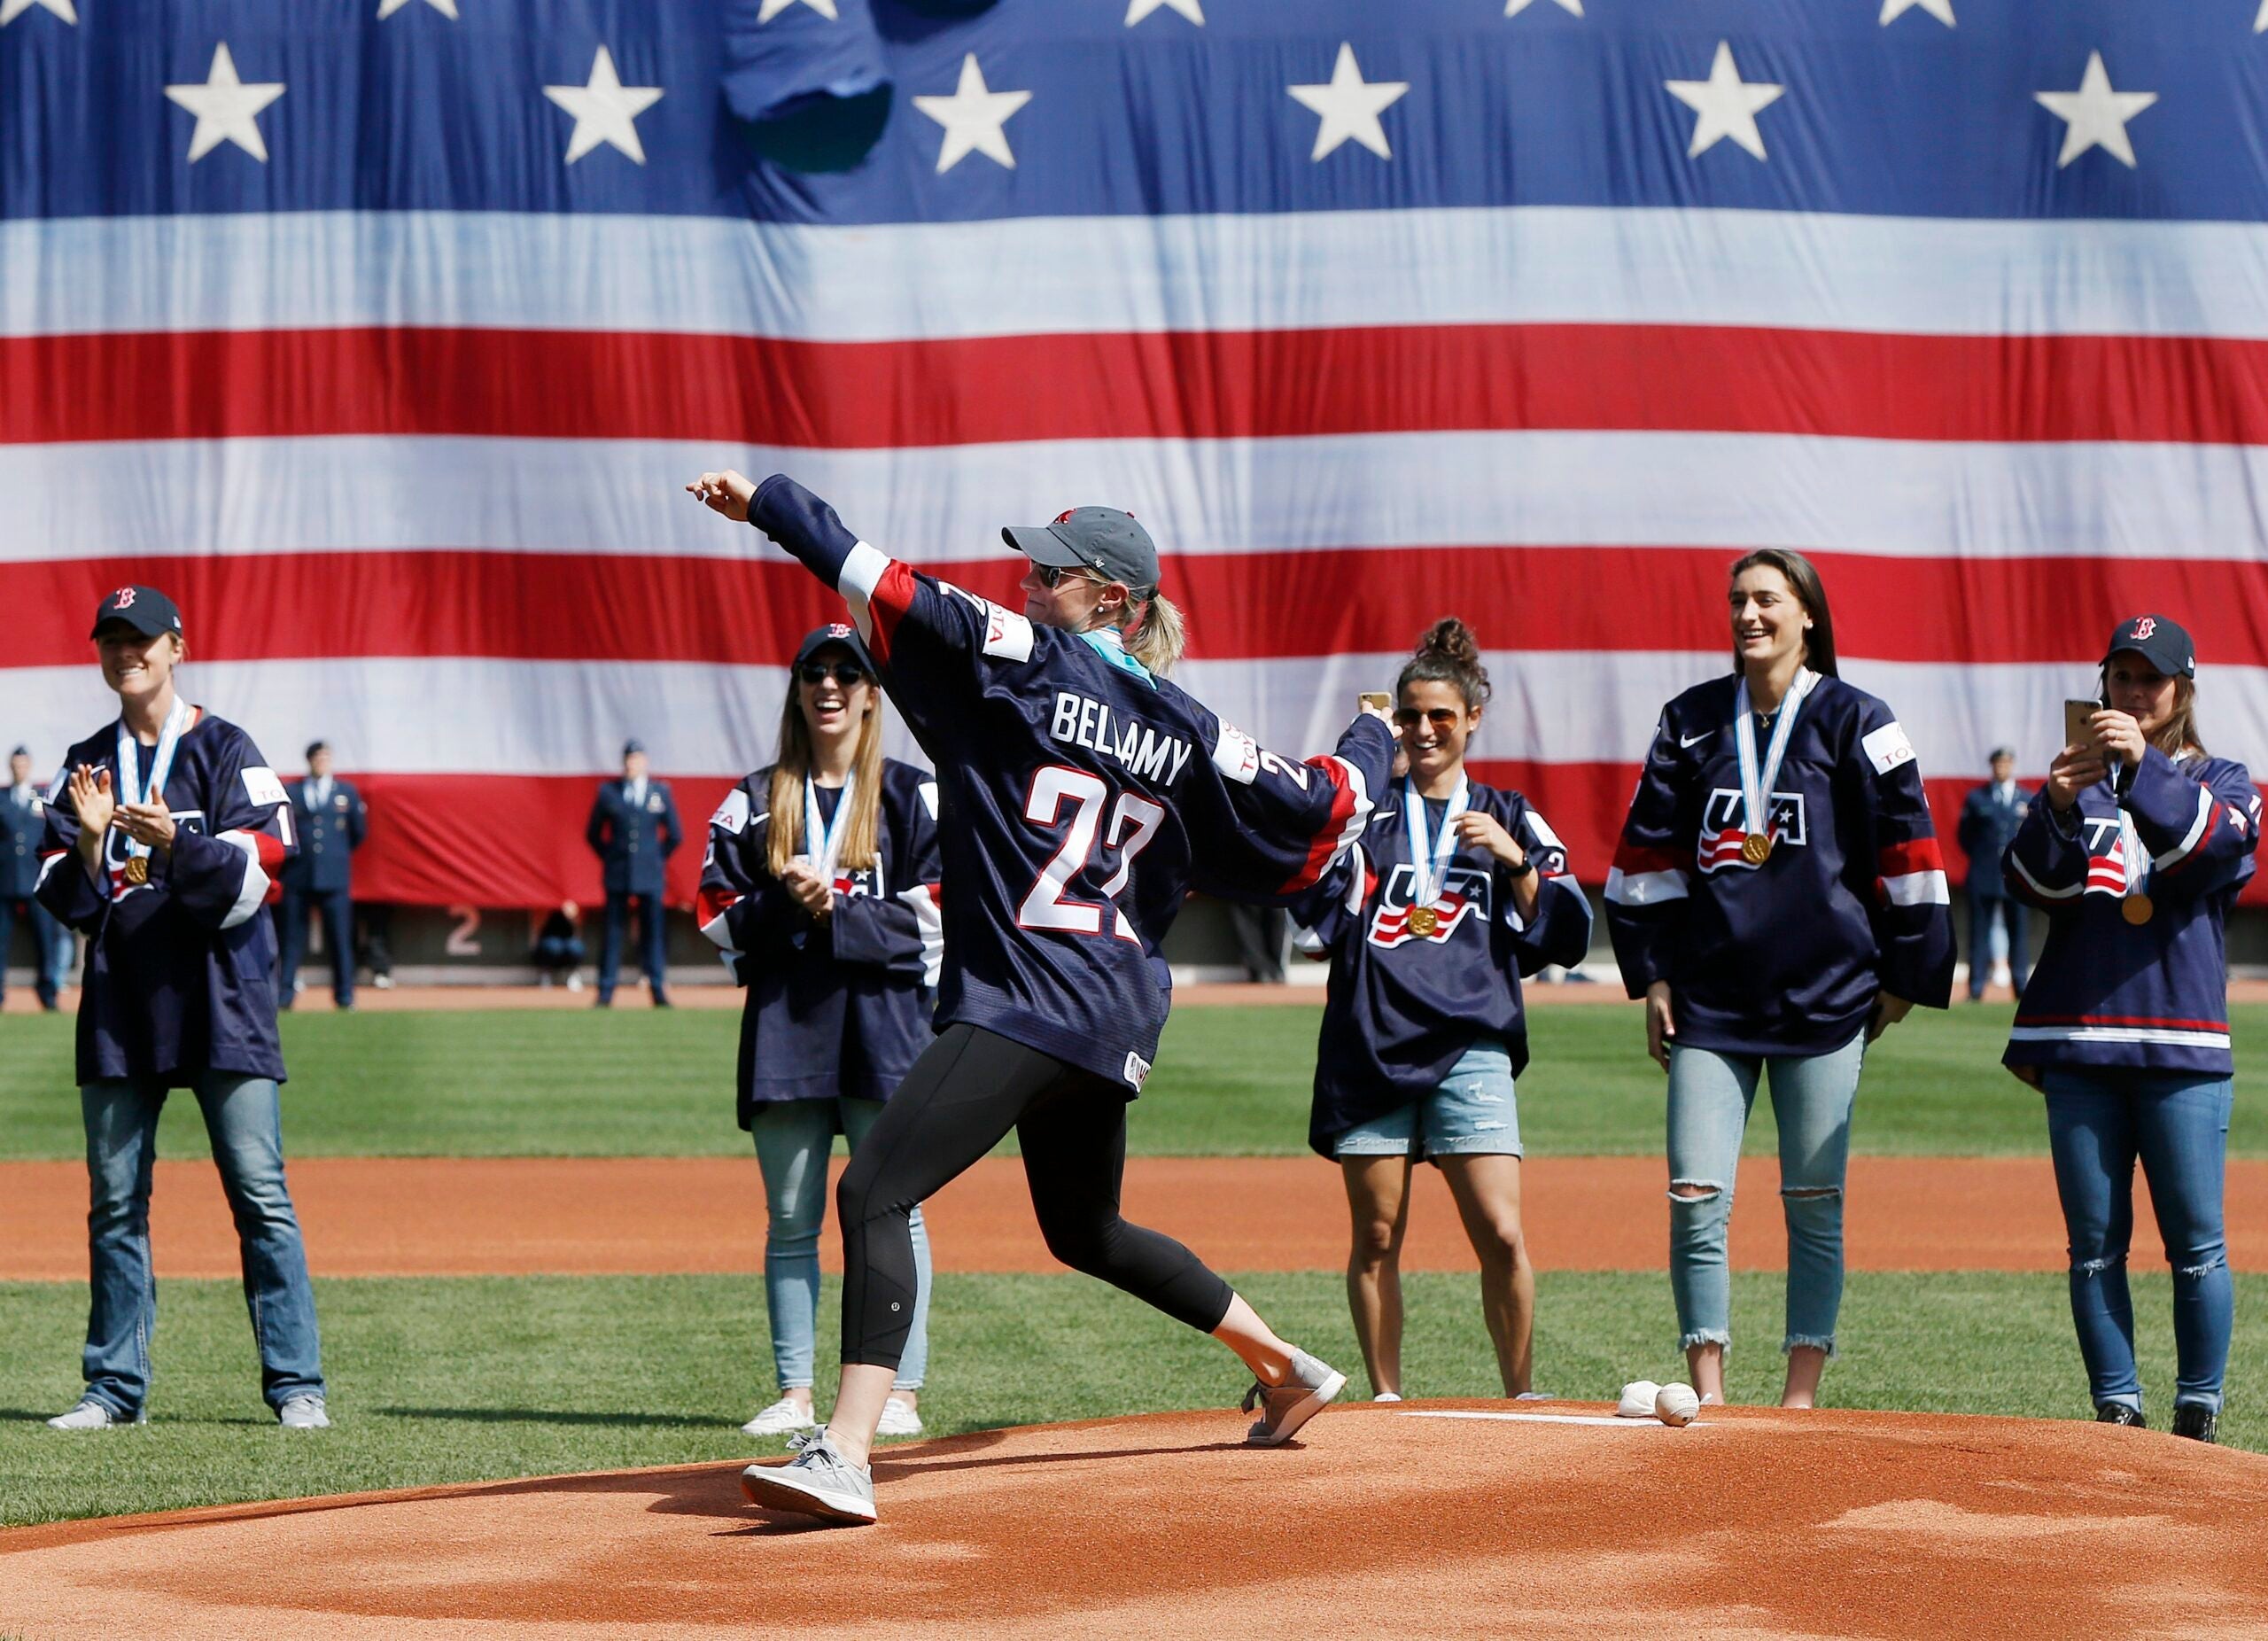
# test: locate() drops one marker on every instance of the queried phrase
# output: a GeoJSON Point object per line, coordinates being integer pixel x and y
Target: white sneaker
{"type": "Point", "coordinates": [575, 981]}
{"type": "Point", "coordinates": [93, 1415]}
{"type": "Point", "coordinates": [898, 1418]}
{"type": "Point", "coordinates": [1306, 1391]}
{"type": "Point", "coordinates": [303, 1413]}
{"type": "Point", "coordinates": [1386, 1396]}
{"type": "Point", "coordinates": [782, 1418]}
{"type": "Point", "coordinates": [385, 982]}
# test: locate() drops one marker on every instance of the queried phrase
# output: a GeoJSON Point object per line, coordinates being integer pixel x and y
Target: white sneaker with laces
{"type": "Point", "coordinates": [898, 1418]}
{"type": "Point", "coordinates": [93, 1415]}
{"type": "Point", "coordinates": [818, 1481]}
{"type": "Point", "coordinates": [784, 1417]}
{"type": "Point", "coordinates": [574, 980]}
{"type": "Point", "coordinates": [303, 1413]}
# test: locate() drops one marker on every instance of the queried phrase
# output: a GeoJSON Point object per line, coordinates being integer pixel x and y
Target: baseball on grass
{"type": "Point", "coordinates": [1676, 1404]}
{"type": "Point", "coordinates": [1637, 1399]}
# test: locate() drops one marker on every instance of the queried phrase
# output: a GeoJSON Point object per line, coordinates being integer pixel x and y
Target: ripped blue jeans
{"type": "Point", "coordinates": [1710, 1094]}
{"type": "Point", "coordinates": [2099, 1123]}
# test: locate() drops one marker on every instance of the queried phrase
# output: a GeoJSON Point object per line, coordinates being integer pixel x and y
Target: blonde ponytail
{"type": "Point", "coordinates": [1159, 637]}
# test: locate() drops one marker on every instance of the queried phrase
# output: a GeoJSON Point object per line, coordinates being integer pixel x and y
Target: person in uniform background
{"type": "Point", "coordinates": [558, 948]}
{"type": "Point", "coordinates": [1989, 819]}
{"type": "Point", "coordinates": [20, 823]}
{"type": "Point", "coordinates": [167, 830]}
{"type": "Point", "coordinates": [319, 878]}
{"type": "Point", "coordinates": [634, 830]}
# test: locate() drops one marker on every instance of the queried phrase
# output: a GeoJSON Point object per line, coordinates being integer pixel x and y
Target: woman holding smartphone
{"type": "Point", "coordinates": [820, 886]}
{"type": "Point", "coordinates": [2136, 851]}
{"type": "Point", "coordinates": [1456, 891]}
{"type": "Point", "coordinates": [1779, 901]}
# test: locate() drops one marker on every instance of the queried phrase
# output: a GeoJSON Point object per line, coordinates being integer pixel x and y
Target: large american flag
{"type": "Point", "coordinates": [381, 333]}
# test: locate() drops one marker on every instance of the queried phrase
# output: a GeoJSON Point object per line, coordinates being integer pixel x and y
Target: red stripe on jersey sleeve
{"type": "Point", "coordinates": [1632, 858]}
{"type": "Point", "coordinates": [709, 904]}
{"type": "Point", "coordinates": [1333, 832]}
{"type": "Point", "coordinates": [892, 598]}
{"type": "Point", "coordinates": [1919, 854]}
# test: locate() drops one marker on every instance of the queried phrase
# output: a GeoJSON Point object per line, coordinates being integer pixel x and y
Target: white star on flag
{"type": "Point", "coordinates": [11, 10]}
{"type": "Point", "coordinates": [606, 111]}
{"type": "Point", "coordinates": [772, 8]}
{"type": "Point", "coordinates": [975, 119]}
{"type": "Point", "coordinates": [1137, 10]}
{"type": "Point", "coordinates": [1724, 106]}
{"type": "Point", "coordinates": [1514, 8]}
{"type": "Point", "coordinates": [2094, 115]}
{"type": "Point", "coordinates": [1349, 106]}
{"type": "Point", "coordinates": [447, 8]}
{"type": "Point", "coordinates": [1892, 10]}
{"type": "Point", "coordinates": [227, 109]}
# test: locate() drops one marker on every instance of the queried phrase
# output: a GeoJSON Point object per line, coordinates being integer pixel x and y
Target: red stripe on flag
{"type": "Point", "coordinates": [1359, 601]}
{"type": "Point", "coordinates": [753, 390]}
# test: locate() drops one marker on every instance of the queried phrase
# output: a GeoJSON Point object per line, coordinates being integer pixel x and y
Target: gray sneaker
{"type": "Point", "coordinates": [1306, 1391]}
{"type": "Point", "coordinates": [93, 1415]}
{"type": "Point", "coordinates": [818, 1481]}
{"type": "Point", "coordinates": [303, 1413]}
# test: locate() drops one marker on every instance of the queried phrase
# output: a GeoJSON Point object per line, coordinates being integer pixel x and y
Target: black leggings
{"type": "Point", "coordinates": [962, 1096]}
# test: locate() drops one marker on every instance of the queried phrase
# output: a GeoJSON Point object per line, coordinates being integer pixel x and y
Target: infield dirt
{"type": "Point", "coordinates": [1421, 1520]}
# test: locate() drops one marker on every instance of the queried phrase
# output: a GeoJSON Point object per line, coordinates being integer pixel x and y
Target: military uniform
{"type": "Point", "coordinates": [634, 830]}
{"type": "Point", "coordinates": [21, 820]}
{"type": "Point", "coordinates": [320, 879]}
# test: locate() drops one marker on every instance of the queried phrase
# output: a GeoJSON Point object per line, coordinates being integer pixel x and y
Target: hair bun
{"type": "Point", "coordinates": [1448, 653]}
{"type": "Point", "coordinates": [1452, 639]}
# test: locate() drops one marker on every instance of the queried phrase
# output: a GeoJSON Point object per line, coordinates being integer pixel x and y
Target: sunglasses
{"type": "Point", "coordinates": [1050, 576]}
{"type": "Point", "coordinates": [844, 673]}
{"type": "Point", "coordinates": [1440, 717]}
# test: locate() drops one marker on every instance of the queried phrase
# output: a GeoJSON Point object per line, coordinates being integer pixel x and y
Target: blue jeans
{"type": "Point", "coordinates": [2176, 1124]}
{"type": "Point", "coordinates": [1710, 1096]}
{"type": "Point", "coordinates": [794, 1139]}
{"type": "Point", "coordinates": [54, 947]}
{"type": "Point", "coordinates": [335, 907]}
{"type": "Point", "coordinates": [649, 942]}
{"type": "Point", "coordinates": [1983, 912]}
{"type": "Point", "coordinates": [244, 1115]}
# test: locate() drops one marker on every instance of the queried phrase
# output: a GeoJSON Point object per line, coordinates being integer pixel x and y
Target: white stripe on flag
{"type": "Point", "coordinates": [940, 504]}
{"type": "Point", "coordinates": [1008, 278]}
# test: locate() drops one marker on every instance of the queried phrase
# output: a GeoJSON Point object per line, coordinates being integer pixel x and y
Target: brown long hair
{"type": "Point", "coordinates": [2179, 733]}
{"type": "Point", "coordinates": [1803, 578]}
{"type": "Point", "coordinates": [862, 832]}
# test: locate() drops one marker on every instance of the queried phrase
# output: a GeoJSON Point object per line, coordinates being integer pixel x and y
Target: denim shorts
{"type": "Point", "coordinates": [1473, 1113]}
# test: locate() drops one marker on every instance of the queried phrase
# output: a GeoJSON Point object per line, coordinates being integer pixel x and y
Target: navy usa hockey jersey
{"type": "Point", "coordinates": [833, 1008]}
{"type": "Point", "coordinates": [1080, 798]}
{"type": "Point", "coordinates": [181, 971]}
{"type": "Point", "coordinates": [2109, 992]}
{"type": "Point", "coordinates": [1785, 957]}
{"type": "Point", "coordinates": [1401, 1007]}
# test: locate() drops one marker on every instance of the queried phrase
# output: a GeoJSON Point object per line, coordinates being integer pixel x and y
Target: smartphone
{"type": "Point", "coordinates": [2075, 714]}
{"type": "Point", "coordinates": [1379, 699]}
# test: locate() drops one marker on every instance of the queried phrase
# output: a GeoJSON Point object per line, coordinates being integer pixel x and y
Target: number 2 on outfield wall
{"type": "Point", "coordinates": [1134, 821]}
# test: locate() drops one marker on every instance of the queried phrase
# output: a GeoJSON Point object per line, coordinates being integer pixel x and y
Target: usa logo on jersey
{"type": "Point", "coordinates": [1724, 827]}
{"type": "Point", "coordinates": [1464, 894]}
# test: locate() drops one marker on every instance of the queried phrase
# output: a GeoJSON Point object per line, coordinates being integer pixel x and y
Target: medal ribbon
{"type": "Point", "coordinates": [824, 843]}
{"type": "Point", "coordinates": [1429, 857]}
{"type": "Point", "coordinates": [1756, 784]}
{"type": "Point", "coordinates": [2138, 857]}
{"type": "Point", "coordinates": [129, 768]}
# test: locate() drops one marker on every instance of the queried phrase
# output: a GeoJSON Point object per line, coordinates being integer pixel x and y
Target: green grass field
{"type": "Point", "coordinates": [465, 1379]}
{"type": "Point", "coordinates": [1229, 1083]}
{"type": "Point", "coordinates": [462, 1380]}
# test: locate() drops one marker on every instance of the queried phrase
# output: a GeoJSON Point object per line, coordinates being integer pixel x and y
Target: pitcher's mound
{"type": "Point", "coordinates": [1434, 1519]}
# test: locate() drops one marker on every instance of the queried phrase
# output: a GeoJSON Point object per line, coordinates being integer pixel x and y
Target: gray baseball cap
{"type": "Point", "coordinates": [1101, 539]}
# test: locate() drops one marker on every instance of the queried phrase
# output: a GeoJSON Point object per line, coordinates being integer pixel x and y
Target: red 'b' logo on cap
{"type": "Point", "coordinates": [123, 597]}
{"type": "Point", "coordinates": [2146, 625]}
{"type": "Point", "coordinates": [838, 629]}
{"type": "Point", "coordinates": [1064, 518]}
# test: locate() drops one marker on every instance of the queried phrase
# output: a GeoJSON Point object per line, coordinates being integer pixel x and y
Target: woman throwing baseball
{"type": "Point", "coordinates": [1455, 891]}
{"type": "Point", "coordinates": [821, 887]}
{"type": "Point", "coordinates": [164, 843]}
{"type": "Point", "coordinates": [2136, 855]}
{"type": "Point", "coordinates": [1779, 902]}
{"type": "Point", "coordinates": [1082, 795]}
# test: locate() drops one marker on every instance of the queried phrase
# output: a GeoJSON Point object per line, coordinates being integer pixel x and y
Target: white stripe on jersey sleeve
{"type": "Point", "coordinates": [1645, 887]}
{"type": "Point", "coordinates": [2040, 889]}
{"type": "Point", "coordinates": [1917, 888]}
{"type": "Point", "coordinates": [2180, 851]}
{"type": "Point", "coordinates": [253, 894]}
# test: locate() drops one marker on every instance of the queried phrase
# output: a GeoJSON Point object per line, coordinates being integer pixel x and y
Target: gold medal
{"type": "Point", "coordinates": [137, 870]}
{"type": "Point", "coordinates": [1755, 848]}
{"type": "Point", "coordinates": [2137, 909]}
{"type": "Point", "coordinates": [1424, 921]}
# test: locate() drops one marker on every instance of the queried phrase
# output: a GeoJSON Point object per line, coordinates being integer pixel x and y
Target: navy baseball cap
{"type": "Point", "coordinates": [835, 632]}
{"type": "Point", "coordinates": [22, 752]}
{"type": "Point", "coordinates": [1101, 539]}
{"type": "Point", "coordinates": [145, 609]}
{"type": "Point", "coordinates": [632, 745]}
{"type": "Point", "coordinates": [2164, 644]}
